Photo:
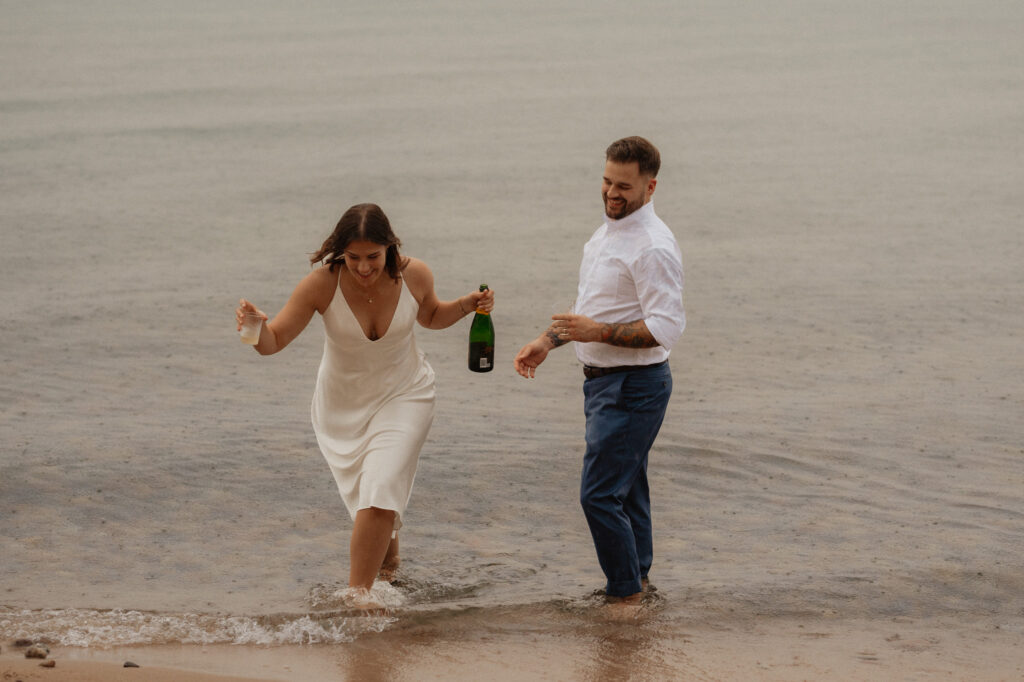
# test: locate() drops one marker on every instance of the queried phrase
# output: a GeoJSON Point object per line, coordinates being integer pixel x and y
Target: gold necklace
{"type": "Point", "coordinates": [368, 295]}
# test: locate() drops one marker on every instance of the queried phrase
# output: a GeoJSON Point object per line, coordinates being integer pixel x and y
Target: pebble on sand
{"type": "Point", "coordinates": [129, 664]}
{"type": "Point", "coordinates": [48, 664]}
{"type": "Point", "coordinates": [37, 651]}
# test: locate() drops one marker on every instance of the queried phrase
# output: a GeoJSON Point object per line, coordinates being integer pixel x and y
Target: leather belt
{"type": "Point", "coordinates": [595, 372]}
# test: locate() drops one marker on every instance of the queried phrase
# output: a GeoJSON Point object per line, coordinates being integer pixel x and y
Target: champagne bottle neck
{"type": "Point", "coordinates": [483, 287]}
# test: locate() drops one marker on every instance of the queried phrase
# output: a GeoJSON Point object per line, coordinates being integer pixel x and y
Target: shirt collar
{"type": "Point", "coordinates": [637, 217]}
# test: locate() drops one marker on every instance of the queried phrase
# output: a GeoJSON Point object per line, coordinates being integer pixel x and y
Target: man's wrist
{"type": "Point", "coordinates": [553, 339]}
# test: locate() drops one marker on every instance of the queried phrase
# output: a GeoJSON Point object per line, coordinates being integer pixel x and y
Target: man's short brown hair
{"type": "Point", "coordinates": [635, 148]}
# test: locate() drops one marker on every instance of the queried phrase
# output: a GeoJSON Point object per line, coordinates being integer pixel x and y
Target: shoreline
{"type": "Point", "coordinates": [747, 648]}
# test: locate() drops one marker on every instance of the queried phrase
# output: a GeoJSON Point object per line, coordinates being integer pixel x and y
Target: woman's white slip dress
{"type": "Point", "coordinates": [373, 406]}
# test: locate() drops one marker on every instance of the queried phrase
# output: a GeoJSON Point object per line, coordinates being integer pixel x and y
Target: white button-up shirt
{"type": "Point", "coordinates": [632, 270]}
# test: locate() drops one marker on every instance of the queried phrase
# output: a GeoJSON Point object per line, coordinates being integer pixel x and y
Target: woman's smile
{"type": "Point", "coordinates": [365, 261]}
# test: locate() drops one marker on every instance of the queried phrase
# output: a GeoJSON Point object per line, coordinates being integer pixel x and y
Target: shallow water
{"type": "Point", "coordinates": [844, 440]}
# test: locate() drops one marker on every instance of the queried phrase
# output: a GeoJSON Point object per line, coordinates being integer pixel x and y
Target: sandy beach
{"type": "Point", "coordinates": [786, 650]}
{"type": "Point", "coordinates": [837, 485]}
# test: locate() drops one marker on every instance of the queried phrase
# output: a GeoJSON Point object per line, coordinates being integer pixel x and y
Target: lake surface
{"type": "Point", "coordinates": [845, 437]}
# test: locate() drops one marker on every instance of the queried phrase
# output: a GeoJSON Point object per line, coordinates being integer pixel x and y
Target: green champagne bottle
{"type": "Point", "coordinates": [481, 341]}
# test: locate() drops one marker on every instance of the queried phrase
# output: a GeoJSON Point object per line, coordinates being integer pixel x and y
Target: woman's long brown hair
{"type": "Point", "coordinates": [362, 222]}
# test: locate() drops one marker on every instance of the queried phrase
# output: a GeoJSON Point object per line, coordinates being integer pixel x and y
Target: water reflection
{"type": "Point", "coordinates": [630, 643]}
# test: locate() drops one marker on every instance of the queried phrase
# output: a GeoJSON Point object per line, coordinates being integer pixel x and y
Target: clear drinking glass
{"type": "Point", "coordinates": [252, 324]}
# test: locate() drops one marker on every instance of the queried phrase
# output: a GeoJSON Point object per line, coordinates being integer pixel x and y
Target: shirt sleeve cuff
{"type": "Point", "coordinates": [665, 331]}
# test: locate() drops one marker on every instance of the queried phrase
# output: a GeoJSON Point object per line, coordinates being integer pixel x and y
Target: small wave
{"type": "Point", "coordinates": [336, 615]}
{"type": "Point", "coordinates": [97, 628]}
{"type": "Point", "coordinates": [330, 613]}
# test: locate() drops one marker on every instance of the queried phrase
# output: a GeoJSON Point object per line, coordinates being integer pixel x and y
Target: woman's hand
{"type": "Point", "coordinates": [481, 300]}
{"type": "Point", "coordinates": [245, 307]}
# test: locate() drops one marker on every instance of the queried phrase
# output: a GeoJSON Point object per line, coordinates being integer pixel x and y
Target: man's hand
{"type": "Point", "coordinates": [567, 327]}
{"type": "Point", "coordinates": [530, 356]}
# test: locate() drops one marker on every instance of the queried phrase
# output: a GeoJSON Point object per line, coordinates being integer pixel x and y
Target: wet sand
{"type": "Point", "coordinates": [785, 650]}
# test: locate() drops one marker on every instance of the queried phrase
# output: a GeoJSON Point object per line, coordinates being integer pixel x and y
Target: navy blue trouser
{"type": "Point", "coordinates": [624, 413]}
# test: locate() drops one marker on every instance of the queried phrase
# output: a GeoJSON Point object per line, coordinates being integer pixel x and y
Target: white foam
{"type": "Point", "coordinates": [381, 596]}
{"type": "Point", "coordinates": [91, 628]}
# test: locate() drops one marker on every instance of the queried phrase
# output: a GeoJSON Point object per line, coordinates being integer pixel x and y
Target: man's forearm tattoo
{"type": "Point", "coordinates": [628, 335]}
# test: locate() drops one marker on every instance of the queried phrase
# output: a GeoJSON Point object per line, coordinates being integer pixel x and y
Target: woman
{"type": "Point", "coordinates": [374, 398]}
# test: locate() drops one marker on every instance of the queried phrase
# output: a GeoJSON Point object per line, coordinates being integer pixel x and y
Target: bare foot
{"type": "Point", "coordinates": [630, 600]}
{"type": "Point", "coordinates": [389, 569]}
{"type": "Point", "coordinates": [627, 608]}
{"type": "Point", "coordinates": [361, 599]}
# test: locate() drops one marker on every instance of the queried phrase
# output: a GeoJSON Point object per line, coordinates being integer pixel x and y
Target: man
{"type": "Point", "coordinates": [627, 316]}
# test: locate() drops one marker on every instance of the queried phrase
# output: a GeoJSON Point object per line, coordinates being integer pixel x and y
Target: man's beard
{"type": "Point", "coordinates": [624, 210]}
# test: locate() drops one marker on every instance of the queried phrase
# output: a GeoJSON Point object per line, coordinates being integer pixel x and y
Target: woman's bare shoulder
{"type": "Point", "coordinates": [417, 270]}
{"type": "Point", "coordinates": [418, 277]}
{"type": "Point", "coordinates": [318, 287]}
